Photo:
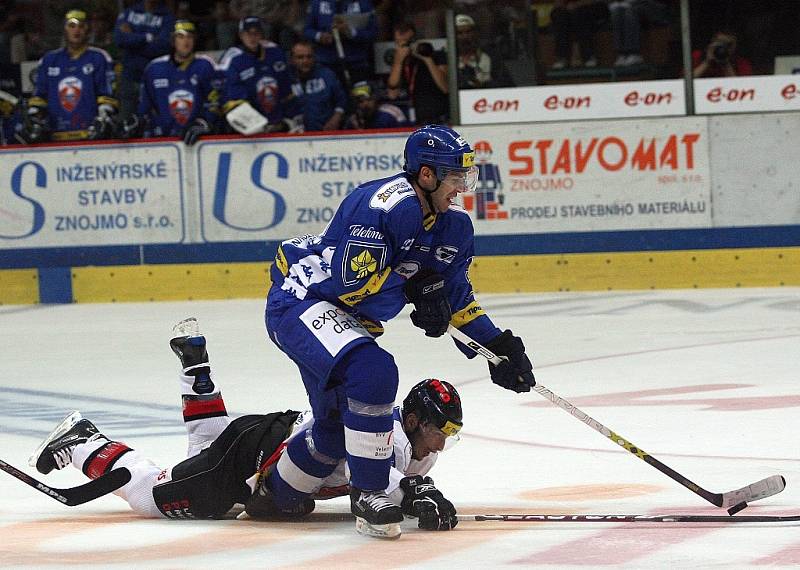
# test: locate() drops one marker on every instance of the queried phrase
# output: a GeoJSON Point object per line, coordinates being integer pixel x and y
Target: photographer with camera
{"type": "Point", "coordinates": [720, 58]}
{"type": "Point", "coordinates": [476, 68]}
{"type": "Point", "coordinates": [421, 71]}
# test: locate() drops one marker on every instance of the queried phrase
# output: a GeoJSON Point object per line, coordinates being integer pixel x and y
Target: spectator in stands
{"type": "Point", "coordinates": [421, 72]}
{"type": "Point", "coordinates": [283, 19]}
{"type": "Point", "coordinates": [256, 77]}
{"type": "Point", "coordinates": [9, 26]}
{"type": "Point", "coordinates": [24, 45]}
{"type": "Point", "coordinates": [142, 32]}
{"type": "Point", "coordinates": [176, 97]}
{"type": "Point", "coordinates": [626, 23]}
{"type": "Point", "coordinates": [343, 33]}
{"type": "Point", "coordinates": [101, 33]}
{"type": "Point", "coordinates": [225, 26]}
{"type": "Point", "coordinates": [319, 98]}
{"type": "Point", "coordinates": [578, 20]}
{"type": "Point", "coordinates": [369, 114]}
{"type": "Point", "coordinates": [72, 99]}
{"type": "Point", "coordinates": [721, 59]}
{"type": "Point", "coordinates": [476, 68]}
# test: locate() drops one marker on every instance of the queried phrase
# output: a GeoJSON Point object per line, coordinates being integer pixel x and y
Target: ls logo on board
{"type": "Point", "coordinates": [267, 165]}
{"type": "Point", "coordinates": [13, 226]}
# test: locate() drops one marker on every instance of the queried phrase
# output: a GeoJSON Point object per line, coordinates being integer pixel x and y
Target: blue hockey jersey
{"type": "Point", "coordinates": [72, 88]}
{"type": "Point", "coordinates": [376, 241]}
{"type": "Point", "coordinates": [261, 79]}
{"type": "Point", "coordinates": [317, 97]}
{"type": "Point", "coordinates": [358, 45]}
{"type": "Point", "coordinates": [143, 36]}
{"type": "Point", "coordinates": [173, 95]}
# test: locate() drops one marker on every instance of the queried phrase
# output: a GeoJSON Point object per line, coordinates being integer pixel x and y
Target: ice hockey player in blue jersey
{"type": "Point", "coordinates": [392, 241]}
{"type": "Point", "coordinates": [73, 97]}
{"type": "Point", "coordinates": [256, 74]}
{"type": "Point", "coordinates": [177, 96]}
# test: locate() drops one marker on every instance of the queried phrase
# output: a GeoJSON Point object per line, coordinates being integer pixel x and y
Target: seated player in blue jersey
{"type": "Point", "coordinates": [392, 241]}
{"type": "Point", "coordinates": [73, 96]}
{"type": "Point", "coordinates": [226, 458]}
{"type": "Point", "coordinates": [256, 82]}
{"type": "Point", "coordinates": [370, 113]}
{"type": "Point", "coordinates": [177, 98]}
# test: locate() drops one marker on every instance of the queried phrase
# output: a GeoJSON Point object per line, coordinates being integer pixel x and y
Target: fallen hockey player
{"type": "Point", "coordinates": [227, 460]}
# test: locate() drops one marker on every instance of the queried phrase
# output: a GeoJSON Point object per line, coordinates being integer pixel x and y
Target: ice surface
{"type": "Point", "coordinates": [704, 380]}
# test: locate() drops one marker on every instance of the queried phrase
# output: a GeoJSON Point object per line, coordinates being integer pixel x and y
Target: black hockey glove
{"type": "Point", "coordinates": [35, 126]}
{"type": "Point", "coordinates": [515, 373]}
{"type": "Point", "coordinates": [431, 309]}
{"type": "Point", "coordinates": [102, 127]}
{"type": "Point", "coordinates": [426, 502]}
{"type": "Point", "coordinates": [195, 130]}
{"type": "Point", "coordinates": [131, 128]}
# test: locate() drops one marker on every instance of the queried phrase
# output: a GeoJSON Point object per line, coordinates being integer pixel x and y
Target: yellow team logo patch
{"type": "Point", "coordinates": [468, 159]}
{"type": "Point", "coordinates": [280, 261]}
{"type": "Point", "coordinates": [450, 429]}
{"type": "Point", "coordinates": [363, 264]}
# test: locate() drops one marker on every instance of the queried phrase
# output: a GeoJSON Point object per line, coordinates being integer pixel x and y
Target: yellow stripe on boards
{"type": "Point", "coordinates": [722, 268]}
{"type": "Point", "coordinates": [19, 287]}
{"type": "Point", "coordinates": [170, 282]}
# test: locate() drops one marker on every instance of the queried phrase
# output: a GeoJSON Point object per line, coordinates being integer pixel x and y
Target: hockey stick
{"type": "Point", "coordinates": [72, 496]}
{"type": "Point", "coordinates": [734, 501]}
{"type": "Point", "coordinates": [632, 518]}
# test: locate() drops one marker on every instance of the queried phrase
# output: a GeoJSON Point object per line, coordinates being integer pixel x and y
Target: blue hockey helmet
{"type": "Point", "coordinates": [443, 150]}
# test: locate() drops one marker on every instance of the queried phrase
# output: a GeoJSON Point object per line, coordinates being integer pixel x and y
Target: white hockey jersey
{"type": "Point", "coordinates": [337, 483]}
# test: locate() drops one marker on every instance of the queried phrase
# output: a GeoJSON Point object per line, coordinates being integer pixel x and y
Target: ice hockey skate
{"type": "Point", "coordinates": [189, 345]}
{"type": "Point", "coordinates": [55, 452]}
{"type": "Point", "coordinates": [376, 515]}
{"type": "Point", "coordinates": [261, 505]}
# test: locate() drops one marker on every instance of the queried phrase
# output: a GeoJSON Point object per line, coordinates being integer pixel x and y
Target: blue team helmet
{"type": "Point", "coordinates": [443, 150]}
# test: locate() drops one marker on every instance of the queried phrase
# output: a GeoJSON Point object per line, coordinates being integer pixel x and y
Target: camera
{"type": "Point", "coordinates": [424, 49]}
{"type": "Point", "coordinates": [721, 51]}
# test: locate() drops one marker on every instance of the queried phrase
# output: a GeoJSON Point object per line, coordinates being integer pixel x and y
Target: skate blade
{"type": "Point", "coordinates": [66, 424]}
{"type": "Point", "coordinates": [389, 531]}
{"type": "Point", "coordinates": [187, 327]}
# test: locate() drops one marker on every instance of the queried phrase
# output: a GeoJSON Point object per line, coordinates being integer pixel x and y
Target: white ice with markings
{"type": "Point", "coordinates": [704, 380]}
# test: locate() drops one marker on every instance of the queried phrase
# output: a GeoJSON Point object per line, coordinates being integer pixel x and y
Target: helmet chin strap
{"type": "Point", "coordinates": [428, 193]}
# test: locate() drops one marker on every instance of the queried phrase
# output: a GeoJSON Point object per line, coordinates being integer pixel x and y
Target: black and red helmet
{"type": "Point", "coordinates": [436, 402]}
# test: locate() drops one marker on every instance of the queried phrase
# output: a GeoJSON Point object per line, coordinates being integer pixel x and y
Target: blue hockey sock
{"type": "Point", "coordinates": [368, 419]}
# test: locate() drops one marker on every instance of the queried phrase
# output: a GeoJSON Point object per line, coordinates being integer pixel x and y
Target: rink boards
{"type": "Point", "coordinates": [594, 205]}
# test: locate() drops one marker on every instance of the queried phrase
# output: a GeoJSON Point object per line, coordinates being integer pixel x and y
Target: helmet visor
{"type": "Point", "coordinates": [441, 438]}
{"type": "Point", "coordinates": [462, 179]}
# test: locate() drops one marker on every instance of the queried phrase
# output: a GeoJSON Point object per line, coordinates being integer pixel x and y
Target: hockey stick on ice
{"type": "Point", "coordinates": [632, 518]}
{"type": "Point", "coordinates": [734, 501]}
{"type": "Point", "coordinates": [72, 496]}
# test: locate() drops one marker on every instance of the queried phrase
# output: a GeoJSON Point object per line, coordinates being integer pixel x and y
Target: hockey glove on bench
{"type": "Point", "coordinates": [431, 309]}
{"type": "Point", "coordinates": [515, 373]}
{"type": "Point", "coordinates": [426, 502]}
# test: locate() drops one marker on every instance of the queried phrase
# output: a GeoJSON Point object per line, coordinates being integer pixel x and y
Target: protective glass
{"type": "Point", "coordinates": [462, 179]}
